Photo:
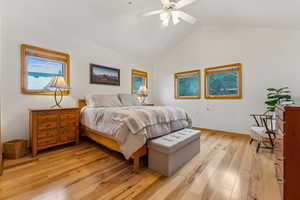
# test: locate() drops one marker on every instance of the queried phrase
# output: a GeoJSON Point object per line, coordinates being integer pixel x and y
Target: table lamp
{"type": "Point", "coordinates": [59, 84]}
{"type": "Point", "coordinates": [143, 93]}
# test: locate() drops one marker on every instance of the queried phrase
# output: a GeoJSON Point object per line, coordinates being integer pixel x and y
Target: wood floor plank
{"type": "Point", "coordinates": [227, 168]}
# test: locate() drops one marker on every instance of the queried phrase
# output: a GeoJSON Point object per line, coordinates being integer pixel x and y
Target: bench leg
{"type": "Point", "coordinates": [136, 157]}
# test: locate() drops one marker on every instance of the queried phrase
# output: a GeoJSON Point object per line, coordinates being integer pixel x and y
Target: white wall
{"type": "Point", "coordinates": [17, 31]}
{"type": "Point", "coordinates": [270, 58]}
{"type": "Point", "coordinates": [1, 59]}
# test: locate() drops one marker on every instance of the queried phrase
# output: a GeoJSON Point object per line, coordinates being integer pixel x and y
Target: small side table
{"type": "Point", "coordinates": [52, 127]}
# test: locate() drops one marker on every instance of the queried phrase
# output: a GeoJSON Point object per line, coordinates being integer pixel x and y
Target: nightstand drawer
{"type": "Point", "coordinates": [279, 114]}
{"type": "Point", "coordinates": [47, 133]}
{"type": "Point", "coordinates": [69, 123]}
{"type": "Point", "coordinates": [67, 134]}
{"type": "Point", "coordinates": [280, 134]}
{"type": "Point", "coordinates": [279, 171]}
{"type": "Point", "coordinates": [47, 141]}
{"type": "Point", "coordinates": [280, 125]}
{"type": "Point", "coordinates": [47, 125]}
{"type": "Point", "coordinates": [69, 116]}
{"type": "Point", "coordinates": [47, 116]}
{"type": "Point", "coordinates": [279, 155]}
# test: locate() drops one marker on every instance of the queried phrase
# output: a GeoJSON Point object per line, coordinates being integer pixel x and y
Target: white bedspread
{"type": "Point", "coordinates": [132, 126]}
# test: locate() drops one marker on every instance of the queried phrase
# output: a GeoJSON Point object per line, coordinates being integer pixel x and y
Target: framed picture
{"type": "Point", "coordinates": [138, 79]}
{"type": "Point", "coordinates": [187, 85]}
{"type": "Point", "coordinates": [224, 82]}
{"type": "Point", "coordinates": [104, 75]}
{"type": "Point", "coordinates": [38, 66]}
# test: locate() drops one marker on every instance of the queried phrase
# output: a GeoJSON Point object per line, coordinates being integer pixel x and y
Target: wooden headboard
{"type": "Point", "coordinates": [81, 103]}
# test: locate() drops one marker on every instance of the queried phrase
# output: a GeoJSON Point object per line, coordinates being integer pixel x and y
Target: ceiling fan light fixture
{"type": "Point", "coordinates": [175, 18]}
{"type": "Point", "coordinates": [164, 16]}
{"type": "Point", "coordinates": [166, 22]}
{"type": "Point", "coordinates": [170, 12]}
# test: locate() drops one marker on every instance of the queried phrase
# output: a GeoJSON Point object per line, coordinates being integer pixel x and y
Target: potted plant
{"type": "Point", "coordinates": [278, 96]}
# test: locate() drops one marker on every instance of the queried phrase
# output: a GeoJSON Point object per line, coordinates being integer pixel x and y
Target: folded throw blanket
{"type": "Point", "coordinates": [137, 119]}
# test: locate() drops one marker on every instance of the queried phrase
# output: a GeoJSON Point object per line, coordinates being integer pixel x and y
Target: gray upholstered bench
{"type": "Point", "coordinates": [170, 152]}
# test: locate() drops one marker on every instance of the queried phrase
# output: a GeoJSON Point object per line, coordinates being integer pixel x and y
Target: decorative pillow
{"type": "Point", "coordinates": [129, 100]}
{"type": "Point", "coordinates": [102, 100]}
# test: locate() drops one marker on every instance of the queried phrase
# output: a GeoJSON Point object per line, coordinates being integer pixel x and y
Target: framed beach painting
{"type": "Point", "coordinates": [104, 75]}
{"type": "Point", "coordinates": [187, 85]}
{"type": "Point", "coordinates": [138, 79]}
{"type": "Point", "coordinates": [224, 82]}
{"type": "Point", "coordinates": [38, 66]}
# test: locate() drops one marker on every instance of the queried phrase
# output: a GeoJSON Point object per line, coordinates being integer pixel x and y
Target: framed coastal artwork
{"type": "Point", "coordinates": [187, 85]}
{"type": "Point", "coordinates": [224, 82]}
{"type": "Point", "coordinates": [138, 79]}
{"type": "Point", "coordinates": [104, 75]}
{"type": "Point", "coordinates": [38, 66]}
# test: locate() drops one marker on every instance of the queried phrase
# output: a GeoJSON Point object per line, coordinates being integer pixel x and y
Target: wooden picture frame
{"type": "Point", "coordinates": [104, 75]}
{"type": "Point", "coordinates": [222, 71]}
{"type": "Point", "coordinates": [138, 74]}
{"type": "Point", "coordinates": [187, 75]}
{"type": "Point", "coordinates": [36, 69]}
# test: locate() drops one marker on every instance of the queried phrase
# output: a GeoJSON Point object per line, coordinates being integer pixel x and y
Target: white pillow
{"type": "Point", "coordinates": [129, 100]}
{"type": "Point", "coordinates": [103, 100]}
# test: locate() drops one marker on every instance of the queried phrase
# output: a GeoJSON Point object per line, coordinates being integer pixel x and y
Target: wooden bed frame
{"type": "Point", "coordinates": [109, 143]}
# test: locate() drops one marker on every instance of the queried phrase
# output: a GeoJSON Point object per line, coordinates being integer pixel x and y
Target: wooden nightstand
{"type": "Point", "coordinates": [52, 127]}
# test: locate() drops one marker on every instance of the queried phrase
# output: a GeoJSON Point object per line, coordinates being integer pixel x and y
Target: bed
{"type": "Point", "coordinates": [126, 128]}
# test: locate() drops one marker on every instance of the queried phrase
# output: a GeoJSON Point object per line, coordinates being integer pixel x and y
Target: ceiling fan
{"type": "Point", "coordinates": [170, 11]}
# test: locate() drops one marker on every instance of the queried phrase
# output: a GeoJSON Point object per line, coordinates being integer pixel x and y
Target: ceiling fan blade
{"type": "Point", "coordinates": [155, 12]}
{"type": "Point", "coordinates": [165, 2]}
{"type": "Point", "coordinates": [184, 3]}
{"type": "Point", "coordinates": [186, 17]}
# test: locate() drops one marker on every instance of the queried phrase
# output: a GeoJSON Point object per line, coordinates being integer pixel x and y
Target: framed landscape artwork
{"type": "Point", "coordinates": [138, 79]}
{"type": "Point", "coordinates": [224, 82]}
{"type": "Point", "coordinates": [104, 75]}
{"type": "Point", "coordinates": [38, 66]}
{"type": "Point", "coordinates": [187, 85]}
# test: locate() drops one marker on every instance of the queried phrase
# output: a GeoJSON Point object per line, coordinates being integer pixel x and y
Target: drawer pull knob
{"type": "Point", "coordinates": [280, 181]}
{"type": "Point", "coordinates": [281, 159]}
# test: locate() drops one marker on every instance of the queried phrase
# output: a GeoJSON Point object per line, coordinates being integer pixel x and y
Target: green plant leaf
{"type": "Point", "coordinates": [285, 97]}
{"type": "Point", "coordinates": [271, 108]}
{"type": "Point", "coordinates": [271, 89]}
{"type": "Point", "coordinates": [281, 89]}
{"type": "Point", "coordinates": [274, 96]}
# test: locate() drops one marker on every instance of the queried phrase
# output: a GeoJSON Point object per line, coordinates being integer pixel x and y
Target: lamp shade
{"type": "Point", "coordinates": [143, 90]}
{"type": "Point", "coordinates": [58, 82]}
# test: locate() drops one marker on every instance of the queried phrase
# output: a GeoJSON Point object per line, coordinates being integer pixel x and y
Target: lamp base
{"type": "Point", "coordinates": [58, 97]}
{"type": "Point", "coordinates": [143, 99]}
{"type": "Point", "coordinates": [56, 106]}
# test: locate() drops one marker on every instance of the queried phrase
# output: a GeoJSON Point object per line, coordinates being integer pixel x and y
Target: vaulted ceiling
{"type": "Point", "coordinates": [118, 25]}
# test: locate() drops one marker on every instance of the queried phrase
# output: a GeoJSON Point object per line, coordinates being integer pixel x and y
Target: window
{"type": "Point", "coordinates": [224, 82]}
{"type": "Point", "coordinates": [187, 85]}
{"type": "Point", "coordinates": [39, 66]}
{"type": "Point", "coordinates": [139, 78]}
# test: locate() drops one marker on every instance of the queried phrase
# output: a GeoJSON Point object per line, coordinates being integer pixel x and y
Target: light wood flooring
{"type": "Point", "coordinates": [226, 169]}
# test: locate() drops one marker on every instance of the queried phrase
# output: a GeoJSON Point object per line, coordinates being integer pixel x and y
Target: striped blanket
{"type": "Point", "coordinates": [139, 118]}
{"type": "Point", "coordinates": [132, 126]}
